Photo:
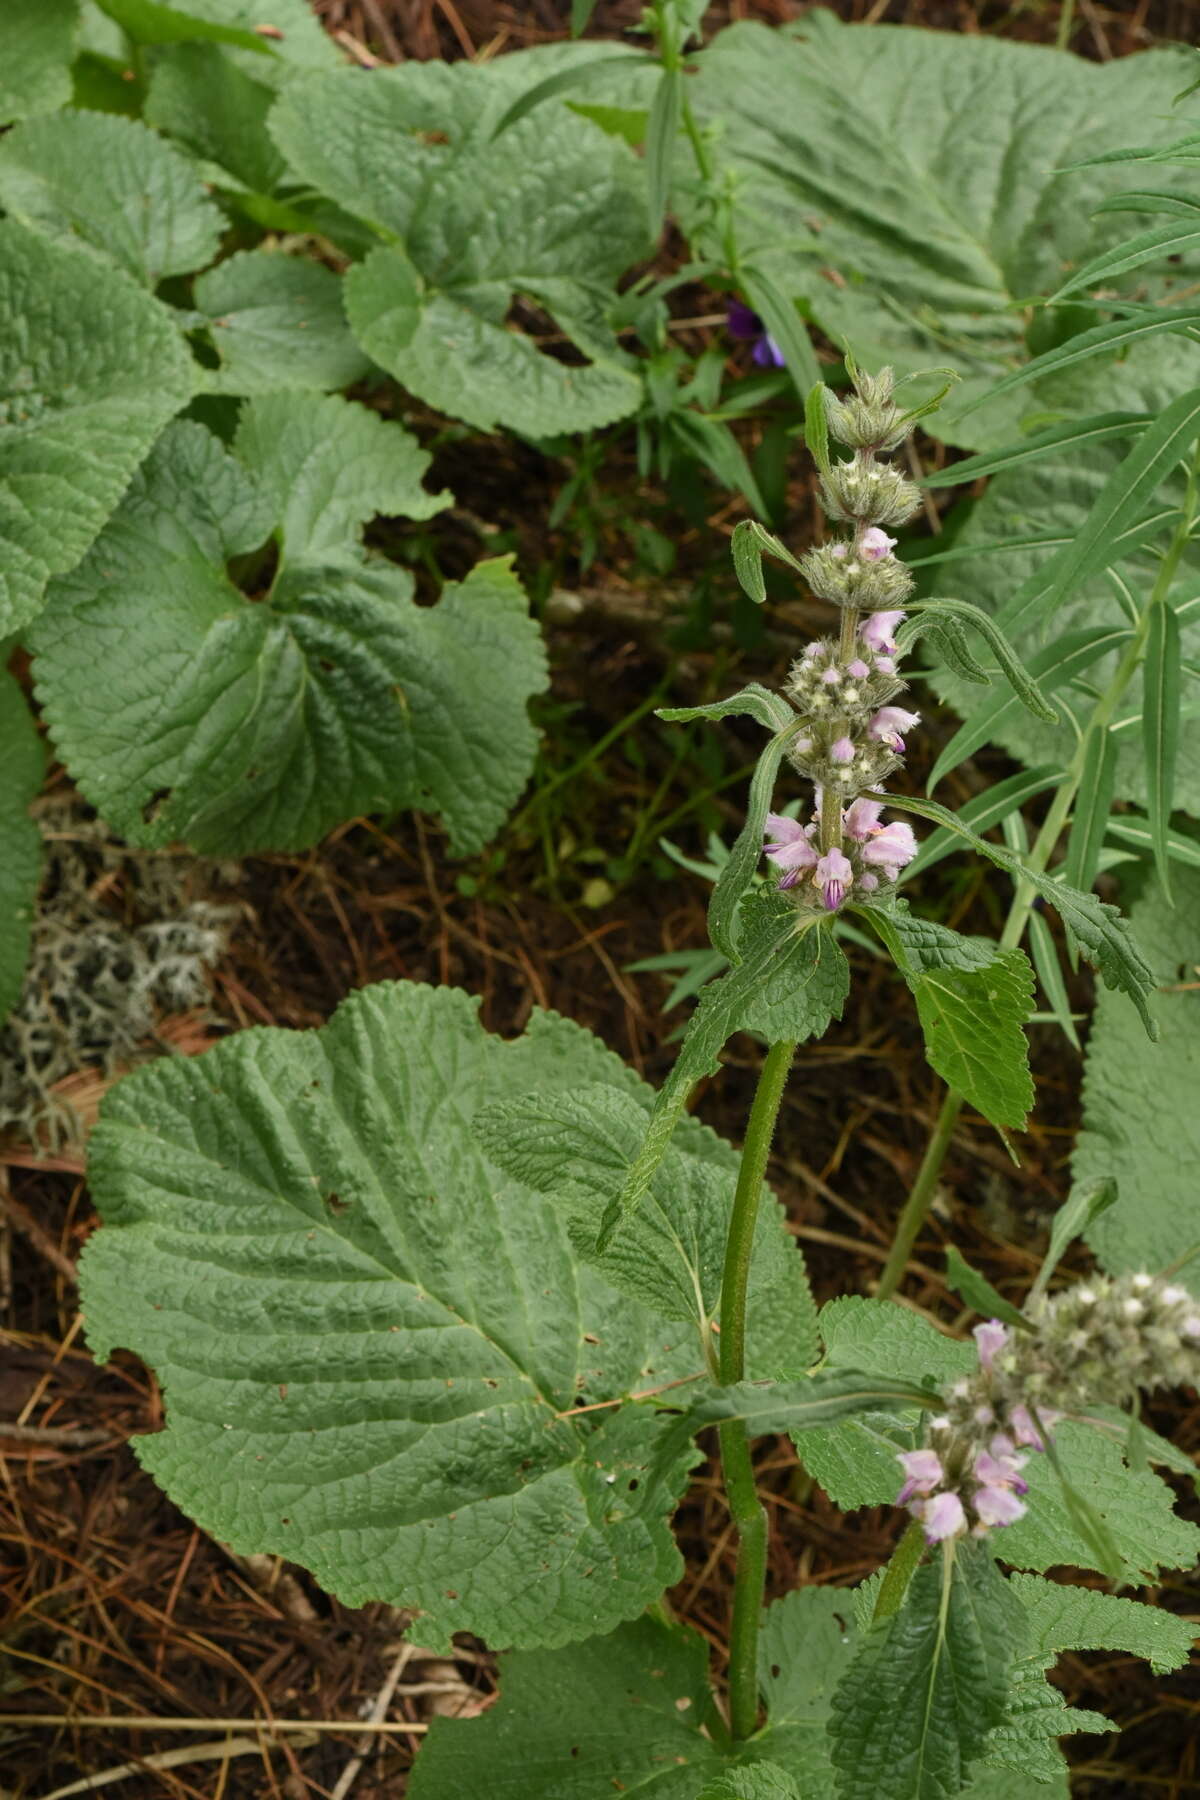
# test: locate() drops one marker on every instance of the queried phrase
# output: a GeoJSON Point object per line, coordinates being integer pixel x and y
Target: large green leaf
{"type": "Point", "coordinates": [576, 1149]}
{"type": "Point", "coordinates": [973, 1000]}
{"type": "Point", "coordinates": [39, 47]}
{"type": "Point", "coordinates": [912, 1713]}
{"type": "Point", "coordinates": [200, 96]}
{"type": "Point", "coordinates": [1141, 1126]}
{"type": "Point", "coordinates": [1100, 930]}
{"type": "Point", "coordinates": [1071, 1618]}
{"type": "Point", "coordinates": [855, 1459]}
{"type": "Point", "coordinates": [868, 189]}
{"type": "Point", "coordinates": [370, 1341]}
{"type": "Point", "coordinates": [792, 979]}
{"type": "Point", "coordinates": [294, 34]}
{"type": "Point", "coordinates": [277, 322]}
{"type": "Point", "coordinates": [113, 185]}
{"type": "Point", "coordinates": [619, 1713]}
{"type": "Point", "coordinates": [91, 369]}
{"type": "Point", "coordinates": [185, 710]}
{"type": "Point", "coordinates": [553, 212]}
{"type": "Point", "coordinates": [22, 765]}
{"type": "Point", "coordinates": [1052, 499]}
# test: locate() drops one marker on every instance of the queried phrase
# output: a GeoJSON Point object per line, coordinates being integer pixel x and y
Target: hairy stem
{"type": "Point", "coordinates": [749, 1517]}
{"type": "Point", "coordinates": [916, 1207]}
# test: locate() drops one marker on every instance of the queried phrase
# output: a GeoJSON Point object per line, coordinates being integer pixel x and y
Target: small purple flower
{"type": "Point", "coordinates": [885, 665]}
{"type": "Point", "coordinates": [811, 650]}
{"type": "Point", "coordinates": [1024, 1429]}
{"type": "Point", "coordinates": [875, 544]}
{"type": "Point", "coordinates": [923, 1469]}
{"type": "Point", "coordinates": [868, 883]}
{"type": "Point", "coordinates": [891, 848]}
{"type": "Point", "coordinates": [1002, 1471]}
{"type": "Point", "coordinates": [998, 1506]}
{"type": "Point", "coordinates": [991, 1338]}
{"type": "Point", "coordinates": [877, 631]}
{"type": "Point", "coordinates": [942, 1517]}
{"type": "Point", "coordinates": [861, 819]}
{"type": "Point", "coordinates": [888, 724]}
{"type": "Point", "coordinates": [791, 851]}
{"type": "Point", "coordinates": [744, 323]}
{"type": "Point", "coordinates": [858, 669]}
{"type": "Point", "coordinates": [842, 751]}
{"type": "Point", "coordinates": [832, 677]}
{"type": "Point", "coordinates": [834, 877]}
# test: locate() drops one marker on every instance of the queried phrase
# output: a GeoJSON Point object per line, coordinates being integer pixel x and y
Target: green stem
{"type": "Point", "coordinates": [916, 1207]}
{"type": "Point", "coordinates": [737, 1467]}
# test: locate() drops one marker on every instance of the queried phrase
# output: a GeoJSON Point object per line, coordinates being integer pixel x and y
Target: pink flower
{"type": "Point", "coordinates": [1024, 1429]}
{"type": "Point", "coordinates": [834, 877]}
{"type": "Point", "coordinates": [862, 819]}
{"type": "Point", "coordinates": [887, 725]}
{"type": "Point", "coordinates": [838, 549]}
{"type": "Point", "coordinates": [1001, 1471]}
{"type": "Point", "coordinates": [875, 544]}
{"type": "Point", "coordinates": [997, 1506]}
{"type": "Point", "coordinates": [868, 883]}
{"type": "Point", "coordinates": [842, 751]}
{"type": "Point", "coordinates": [877, 631]}
{"type": "Point", "coordinates": [942, 1516]}
{"type": "Point", "coordinates": [924, 1471]}
{"type": "Point", "coordinates": [791, 850]}
{"type": "Point", "coordinates": [811, 650]}
{"type": "Point", "coordinates": [891, 848]}
{"type": "Point", "coordinates": [831, 677]}
{"type": "Point", "coordinates": [991, 1338]}
{"type": "Point", "coordinates": [858, 669]}
{"type": "Point", "coordinates": [885, 665]}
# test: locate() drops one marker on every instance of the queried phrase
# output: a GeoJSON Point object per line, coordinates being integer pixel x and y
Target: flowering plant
{"type": "Point", "coordinates": [444, 1316]}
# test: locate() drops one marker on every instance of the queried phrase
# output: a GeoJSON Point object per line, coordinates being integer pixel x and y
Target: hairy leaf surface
{"type": "Point", "coordinates": [91, 369]}
{"type": "Point", "coordinates": [552, 212]}
{"type": "Point", "coordinates": [39, 47]}
{"type": "Point", "coordinates": [973, 1000]}
{"type": "Point", "coordinates": [912, 1713]}
{"type": "Point", "coordinates": [112, 184]}
{"type": "Point", "coordinates": [937, 247]}
{"type": "Point", "coordinates": [277, 322]}
{"type": "Point", "coordinates": [1052, 499]}
{"type": "Point", "coordinates": [1141, 1126]}
{"type": "Point", "coordinates": [244, 725]}
{"type": "Point", "coordinates": [369, 1339]}
{"type": "Point", "coordinates": [576, 1149]}
{"type": "Point", "coordinates": [791, 980]}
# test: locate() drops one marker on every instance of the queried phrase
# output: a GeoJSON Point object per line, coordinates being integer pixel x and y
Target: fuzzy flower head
{"type": "Point", "coordinates": [1091, 1347]}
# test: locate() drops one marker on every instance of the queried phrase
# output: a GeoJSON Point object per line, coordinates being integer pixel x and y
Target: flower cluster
{"type": "Point", "coordinates": [850, 735]}
{"type": "Point", "coordinates": [1098, 1343]}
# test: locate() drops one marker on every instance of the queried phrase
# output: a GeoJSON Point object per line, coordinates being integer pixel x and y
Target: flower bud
{"type": "Point", "coordinates": [863, 490]}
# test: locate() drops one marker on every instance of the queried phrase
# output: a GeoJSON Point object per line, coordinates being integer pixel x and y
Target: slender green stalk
{"type": "Point", "coordinates": [916, 1207]}
{"type": "Point", "coordinates": [1066, 24]}
{"type": "Point", "coordinates": [749, 1517]}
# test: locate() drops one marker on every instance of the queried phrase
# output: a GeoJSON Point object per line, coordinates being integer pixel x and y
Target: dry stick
{"type": "Point", "coordinates": [383, 1700]}
{"type": "Point", "coordinates": [148, 1722]}
{"type": "Point", "coordinates": [219, 1750]}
